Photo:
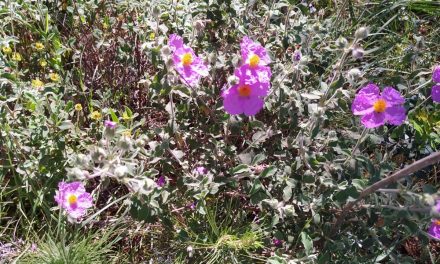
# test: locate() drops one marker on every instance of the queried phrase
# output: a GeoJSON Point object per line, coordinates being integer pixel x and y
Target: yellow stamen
{"type": "Point", "coordinates": [380, 106]}
{"type": "Point", "coordinates": [187, 59]}
{"type": "Point", "coordinates": [244, 90]}
{"type": "Point", "coordinates": [72, 199]}
{"type": "Point", "coordinates": [437, 222]}
{"type": "Point", "coordinates": [254, 60]}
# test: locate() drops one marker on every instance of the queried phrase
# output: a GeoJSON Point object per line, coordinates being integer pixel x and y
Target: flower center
{"type": "Point", "coordinates": [244, 90]}
{"type": "Point", "coordinates": [254, 60]}
{"type": "Point", "coordinates": [187, 59]}
{"type": "Point", "coordinates": [72, 199]}
{"type": "Point", "coordinates": [437, 222]}
{"type": "Point", "coordinates": [380, 106]}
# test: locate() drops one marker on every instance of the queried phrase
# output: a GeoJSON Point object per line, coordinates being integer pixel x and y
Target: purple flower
{"type": "Point", "coordinates": [435, 93]}
{"type": "Point", "coordinates": [297, 55]}
{"type": "Point", "coordinates": [436, 74]}
{"type": "Point", "coordinates": [109, 124]}
{"type": "Point", "coordinates": [253, 54]}
{"type": "Point", "coordinates": [201, 170]}
{"type": "Point", "coordinates": [190, 67]}
{"type": "Point", "coordinates": [437, 206]}
{"type": "Point", "coordinates": [161, 181]}
{"type": "Point", "coordinates": [434, 229]}
{"type": "Point", "coordinates": [379, 108]}
{"type": "Point", "coordinates": [73, 198]}
{"type": "Point", "coordinates": [245, 97]}
{"type": "Point", "coordinates": [277, 242]}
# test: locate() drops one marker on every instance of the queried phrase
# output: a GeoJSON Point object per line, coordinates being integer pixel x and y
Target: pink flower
{"type": "Point", "coordinates": [109, 124]}
{"type": "Point", "coordinates": [253, 54]}
{"type": "Point", "coordinates": [190, 67]}
{"type": "Point", "coordinates": [73, 198]}
{"type": "Point", "coordinates": [436, 74]}
{"type": "Point", "coordinates": [379, 108]}
{"type": "Point", "coordinates": [246, 96]}
{"type": "Point", "coordinates": [434, 229]}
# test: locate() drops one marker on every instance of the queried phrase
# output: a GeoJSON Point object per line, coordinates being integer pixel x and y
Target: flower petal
{"type": "Point", "coordinates": [373, 120]}
{"type": "Point", "coordinates": [363, 104]}
{"type": "Point", "coordinates": [436, 74]}
{"type": "Point", "coordinates": [435, 93]}
{"type": "Point", "coordinates": [395, 115]}
{"type": "Point", "coordinates": [175, 42]}
{"type": "Point", "coordinates": [370, 89]}
{"type": "Point", "coordinates": [252, 105]}
{"type": "Point", "coordinates": [231, 101]}
{"type": "Point", "coordinates": [392, 96]}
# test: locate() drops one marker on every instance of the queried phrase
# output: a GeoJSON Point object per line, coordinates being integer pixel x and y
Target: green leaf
{"type": "Point", "coordinates": [65, 125]}
{"type": "Point", "coordinates": [307, 243]}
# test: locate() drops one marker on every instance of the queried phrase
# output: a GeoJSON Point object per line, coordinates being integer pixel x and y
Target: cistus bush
{"type": "Point", "coordinates": [219, 131]}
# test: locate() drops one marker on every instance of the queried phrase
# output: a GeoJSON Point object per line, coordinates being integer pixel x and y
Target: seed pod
{"type": "Point", "coordinates": [361, 33]}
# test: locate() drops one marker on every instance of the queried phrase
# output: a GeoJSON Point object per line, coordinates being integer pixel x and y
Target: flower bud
{"type": "Point", "coordinates": [120, 171]}
{"type": "Point", "coordinates": [341, 42]}
{"type": "Point", "coordinates": [169, 62]}
{"type": "Point", "coordinates": [353, 74]}
{"type": "Point", "coordinates": [190, 251]}
{"type": "Point", "coordinates": [233, 80]}
{"type": "Point", "coordinates": [125, 143]}
{"type": "Point", "coordinates": [316, 27]}
{"type": "Point", "coordinates": [361, 33]}
{"type": "Point", "coordinates": [297, 55]}
{"type": "Point", "coordinates": [98, 154]}
{"type": "Point", "coordinates": [109, 130]}
{"type": "Point", "coordinates": [156, 11]}
{"type": "Point", "coordinates": [199, 25]}
{"type": "Point", "coordinates": [358, 53]}
{"type": "Point", "coordinates": [165, 50]}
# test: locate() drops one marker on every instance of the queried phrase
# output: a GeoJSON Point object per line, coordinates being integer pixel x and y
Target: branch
{"type": "Point", "coordinates": [416, 166]}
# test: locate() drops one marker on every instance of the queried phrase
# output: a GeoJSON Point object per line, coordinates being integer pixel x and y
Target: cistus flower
{"type": "Point", "coordinates": [253, 54]}
{"type": "Point", "coordinates": [246, 96]}
{"type": "Point", "coordinates": [201, 170]}
{"type": "Point", "coordinates": [379, 108]}
{"type": "Point", "coordinates": [189, 66]}
{"type": "Point", "coordinates": [73, 198]}
{"type": "Point", "coordinates": [434, 229]}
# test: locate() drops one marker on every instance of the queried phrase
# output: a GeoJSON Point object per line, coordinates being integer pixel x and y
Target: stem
{"type": "Point", "coordinates": [416, 166]}
{"type": "Point", "coordinates": [364, 132]}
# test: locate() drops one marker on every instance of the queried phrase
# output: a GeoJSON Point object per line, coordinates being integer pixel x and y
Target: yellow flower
{"type": "Point", "coordinates": [78, 107]}
{"type": "Point", "coordinates": [95, 115]}
{"type": "Point", "coordinates": [37, 83]}
{"type": "Point", "coordinates": [105, 25]}
{"type": "Point", "coordinates": [43, 63]}
{"type": "Point", "coordinates": [54, 77]}
{"type": "Point", "coordinates": [126, 117]}
{"type": "Point", "coordinates": [6, 50]}
{"type": "Point", "coordinates": [152, 36]}
{"type": "Point", "coordinates": [422, 116]}
{"type": "Point", "coordinates": [126, 133]}
{"type": "Point", "coordinates": [16, 56]}
{"type": "Point", "coordinates": [39, 46]}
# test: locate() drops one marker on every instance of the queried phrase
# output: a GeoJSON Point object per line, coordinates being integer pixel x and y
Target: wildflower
{"type": "Point", "coordinates": [109, 124]}
{"type": "Point", "coordinates": [127, 133]}
{"type": "Point", "coordinates": [6, 50]}
{"type": "Point", "coordinates": [37, 84]}
{"type": "Point", "coordinates": [78, 107]}
{"type": "Point", "coordinates": [378, 108]}
{"type": "Point", "coordinates": [152, 35]}
{"type": "Point", "coordinates": [277, 242]}
{"type": "Point", "coordinates": [434, 229]}
{"type": "Point", "coordinates": [358, 53]}
{"type": "Point", "coordinates": [39, 46]}
{"type": "Point", "coordinates": [436, 74]}
{"type": "Point", "coordinates": [54, 77]}
{"type": "Point", "coordinates": [190, 67]}
{"type": "Point", "coordinates": [253, 53]}
{"type": "Point", "coordinates": [95, 115]}
{"type": "Point", "coordinates": [161, 181]}
{"type": "Point", "coordinates": [43, 63]}
{"type": "Point", "coordinates": [73, 198]}
{"type": "Point", "coordinates": [435, 93]}
{"type": "Point", "coordinates": [245, 97]}
{"type": "Point", "coordinates": [16, 56]}
{"type": "Point", "coordinates": [126, 117]}
{"type": "Point", "coordinates": [201, 170]}
{"type": "Point", "coordinates": [297, 55]}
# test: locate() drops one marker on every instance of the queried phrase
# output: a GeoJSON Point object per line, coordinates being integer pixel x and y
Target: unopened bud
{"type": "Point", "coordinates": [354, 73]}
{"type": "Point", "coordinates": [98, 154]}
{"type": "Point", "coordinates": [121, 171]}
{"type": "Point", "coordinates": [165, 50]}
{"type": "Point", "coordinates": [156, 11]}
{"type": "Point", "coordinates": [341, 42]}
{"type": "Point", "coordinates": [358, 53]}
{"type": "Point", "coordinates": [125, 143]}
{"type": "Point", "coordinates": [199, 25]}
{"type": "Point", "coordinates": [361, 33]}
{"type": "Point", "coordinates": [233, 80]}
